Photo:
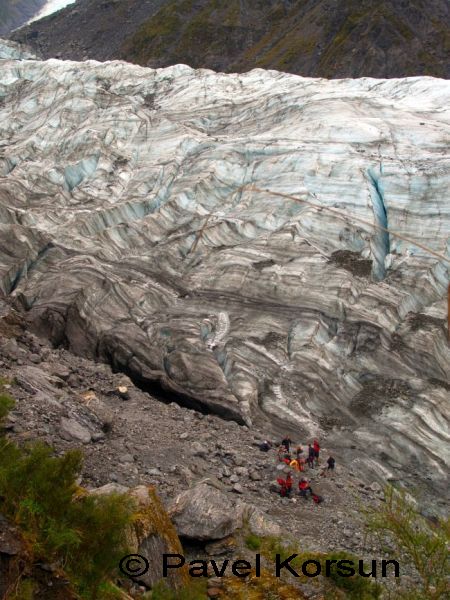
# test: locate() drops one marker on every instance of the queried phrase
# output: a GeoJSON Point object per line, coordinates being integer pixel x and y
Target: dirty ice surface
{"type": "Point", "coordinates": [130, 233]}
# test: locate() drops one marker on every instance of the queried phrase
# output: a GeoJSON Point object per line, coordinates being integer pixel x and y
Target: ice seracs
{"type": "Point", "coordinates": [131, 233]}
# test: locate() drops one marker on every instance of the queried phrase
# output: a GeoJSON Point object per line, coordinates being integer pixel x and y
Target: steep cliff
{"type": "Point", "coordinates": [318, 38]}
{"type": "Point", "coordinates": [14, 13]}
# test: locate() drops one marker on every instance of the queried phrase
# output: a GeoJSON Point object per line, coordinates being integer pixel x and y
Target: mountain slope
{"type": "Point", "coordinates": [14, 13]}
{"type": "Point", "coordinates": [135, 230]}
{"type": "Point", "coordinates": [321, 38]}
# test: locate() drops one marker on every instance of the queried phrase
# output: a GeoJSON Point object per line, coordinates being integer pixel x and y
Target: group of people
{"type": "Point", "coordinates": [297, 460]}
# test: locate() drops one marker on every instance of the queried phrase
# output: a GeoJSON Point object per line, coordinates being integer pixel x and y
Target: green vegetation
{"type": "Point", "coordinates": [253, 542]}
{"type": "Point", "coordinates": [194, 590]}
{"type": "Point", "coordinates": [270, 35]}
{"type": "Point", "coordinates": [335, 586]}
{"type": "Point", "coordinates": [83, 536]}
{"type": "Point", "coordinates": [421, 542]}
{"type": "Point", "coordinates": [6, 403]}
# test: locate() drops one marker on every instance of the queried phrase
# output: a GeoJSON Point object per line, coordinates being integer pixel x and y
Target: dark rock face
{"type": "Point", "coordinates": [14, 13]}
{"type": "Point", "coordinates": [318, 38]}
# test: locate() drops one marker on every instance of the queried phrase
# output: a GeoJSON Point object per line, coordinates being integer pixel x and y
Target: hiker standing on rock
{"type": "Point", "coordinates": [286, 442]}
{"type": "Point", "coordinates": [316, 448]}
{"type": "Point", "coordinates": [331, 463]}
{"type": "Point", "coordinates": [311, 456]}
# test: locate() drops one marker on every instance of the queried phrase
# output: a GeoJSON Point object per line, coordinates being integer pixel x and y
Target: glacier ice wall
{"type": "Point", "coordinates": [130, 233]}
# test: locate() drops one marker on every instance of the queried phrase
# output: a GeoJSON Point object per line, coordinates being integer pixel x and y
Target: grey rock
{"type": "Point", "coordinates": [198, 449]}
{"type": "Point", "coordinates": [154, 472]}
{"type": "Point", "coordinates": [218, 548]}
{"type": "Point", "coordinates": [260, 524]}
{"type": "Point", "coordinates": [241, 471]}
{"type": "Point", "coordinates": [100, 409]}
{"type": "Point", "coordinates": [204, 513]}
{"type": "Point", "coordinates": [126, 458]}
{"type": "Point", "coordinates": [60, 371]}
{"type": "Point", "coordinates": [110, 488]}
{"type": "Point", "coordinates": [71, 429]}
{"type": "Point", "coordinates": [376, 487]}
{"type": "Point", "coordinates": [237, 488]}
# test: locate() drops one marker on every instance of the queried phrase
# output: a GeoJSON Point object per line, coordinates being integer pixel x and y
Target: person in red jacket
{"type": "Point", "coordinates": [316, 451]}
{"type": "Point", "coordinates": [285, 486]}
{"type": "Point", "coordinates": [289, 483]}
{"type": "Point", "coordinates": [304, 488]}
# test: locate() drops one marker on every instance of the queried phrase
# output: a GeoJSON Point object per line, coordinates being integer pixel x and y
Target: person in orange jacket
{"type": "Point", "coordinates": [294, 464]}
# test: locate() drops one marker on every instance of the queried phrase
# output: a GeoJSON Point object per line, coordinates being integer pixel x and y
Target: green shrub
{"type": "Point", "coordinates": [82, 534]}
{"type": "Point", "coordinates": [253, 542]}
{"type": "Point", "coordinates": [353, 588]}
{"type": "Point", "coordinates": [356, 587]}
{"type": "Point", "coordinates": [6, 404]}
{"type": "Point", "coordinates": [420, 542]}
{"type": "Point", "coordinates": [23, 591]}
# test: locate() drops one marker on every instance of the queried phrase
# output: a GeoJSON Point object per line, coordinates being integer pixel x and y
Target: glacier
{"type": "Point", "coordinates": [139, 225]}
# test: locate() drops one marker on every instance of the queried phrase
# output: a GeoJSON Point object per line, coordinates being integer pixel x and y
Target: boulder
{"type": "Point", "coordinates": [110, 488]}
{"type": "Point", "coordinates": [151, 535]}
{"type": "Point", "coordinates": [71, 429]}
{"type": "Point", "coordinates": [60, 371]}
{"type": "Point", "coordinates": [100, 409]}
{"type": "Point", "coordinates": [205, 513]}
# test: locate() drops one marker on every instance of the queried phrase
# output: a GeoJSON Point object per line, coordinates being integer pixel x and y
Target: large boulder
{"type": "Point", "coordinates": [204, 513]}
{"type": "Point", "coordinates": [151, 535]}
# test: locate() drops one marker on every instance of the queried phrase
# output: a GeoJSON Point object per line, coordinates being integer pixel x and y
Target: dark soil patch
{"type": "Point", "coordinates": [378, 393]}
{"type": "Point", "coordinates": [352, 262]}
{"type": "Point", "coordinates": [421, 321]}
{"type": "Point", "coordinates": [440, 383]}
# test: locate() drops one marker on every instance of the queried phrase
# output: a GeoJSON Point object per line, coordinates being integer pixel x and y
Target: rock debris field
{"type": "Point", "coordinates": [68, 402]}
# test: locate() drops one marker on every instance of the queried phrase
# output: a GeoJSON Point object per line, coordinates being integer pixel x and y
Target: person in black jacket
{"type": "Point", "coordinates": [286, 442]}
{"type": "Point", "coordinates": [331, 463]}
